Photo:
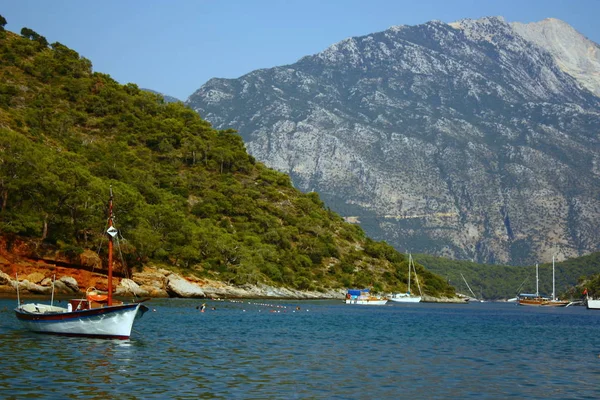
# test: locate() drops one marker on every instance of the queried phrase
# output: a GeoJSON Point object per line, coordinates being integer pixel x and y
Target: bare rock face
{"type": "Point", "coordinates": [69, 283]}
{"type": "Point", "coordinates": [473, 140]}
{"type": "Point", "coordinates": [35, 277]}
{"type": "Point", "coordinates": [129, 287]}
{"type": "Point", "coordinates": [90, 259]}
{"type": "Point", "coordinates": [575, 54]}
{"type": "Point", "coordinates": [34, 288]}
{"type": "Point", "coordinates": [180, 287]}
{"type": "Point", "coordinates": [62, 288]}
{"type": "Point", "coordinates": [154, 282]}
{"type": "Point", "coordinates": [150, 277]}
{"type": "Point", "coordinates": [5, 279]}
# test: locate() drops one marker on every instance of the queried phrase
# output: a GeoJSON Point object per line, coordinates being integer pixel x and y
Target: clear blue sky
{"type": "Point", "coordinates": [175, 46]}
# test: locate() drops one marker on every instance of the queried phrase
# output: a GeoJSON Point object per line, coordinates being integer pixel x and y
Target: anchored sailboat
{"type": "Point", "coordinates": [95, 316]}
{"type": "Point", "coordinates": [408, 297]}
{"type": "Point", "coordinates": [469, 287]}
{"type": "Point", "coordinates": [527, 299]}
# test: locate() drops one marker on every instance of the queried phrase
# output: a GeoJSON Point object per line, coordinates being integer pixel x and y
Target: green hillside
{"type": "Point", "coordinates": [503, 282]}
{"type": "Point", "coordinates": [187, 197]}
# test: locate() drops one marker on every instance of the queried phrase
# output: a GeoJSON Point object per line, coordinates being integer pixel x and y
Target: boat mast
{"type": "Point", "coordinates": [110, 245]}
{"type": "Point", "coordinates": [553, 285]}
{"type": "Point", "coordinates": [52, 298]}
{"type": "Point", "coordinates": [409, 262]}
{"type": "Point", "coordinates": [537, 281]}
{"type": "Point", "coordinates": [417, 278]}
{"type": "Point", "coordinates": [18, 296]}
{"type": "Point", "coordinates": [469, 287]}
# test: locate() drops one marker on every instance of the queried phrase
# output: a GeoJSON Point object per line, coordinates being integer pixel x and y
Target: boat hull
{"type": "Point", "coordinates": [555, 303]}
{"type": "Point", "coordinates": [529, 302]}
{"type": "Point", "coordinates": [542, 302]}
{"type": "Point", "coordinates": [405, 299]}
{"type": "Point", "coordinates": [105, 322]}
{"type": "Point", "coordinates": [593, 304]}
{"type": "Point", "coordinates": [368, 302]}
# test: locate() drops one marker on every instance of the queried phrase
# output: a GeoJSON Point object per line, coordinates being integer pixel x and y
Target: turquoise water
{"type": "Point", "coordinates": [325, 350]}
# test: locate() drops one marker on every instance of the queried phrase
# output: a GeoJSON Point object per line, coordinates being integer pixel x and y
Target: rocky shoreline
{"type": "Point", "coordinates": [36, 275]}
{"type": "Point", "coordinates": [161, 283]}
{"type": "Point", "coordinates": [156, 283]}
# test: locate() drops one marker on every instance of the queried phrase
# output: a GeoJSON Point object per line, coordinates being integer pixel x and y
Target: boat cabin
{"type": "Point", "coordinates": [353, 294]}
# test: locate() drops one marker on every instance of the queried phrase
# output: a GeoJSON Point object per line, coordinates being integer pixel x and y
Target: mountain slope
{"type": "Point", "coordinates": [576, 55]}
{"type": "Point", "coordinates": [465, 140]}
{"type": "Point", "coordinates": [187, 197]}
{"type": "Point", "coordinates": [167, 98]}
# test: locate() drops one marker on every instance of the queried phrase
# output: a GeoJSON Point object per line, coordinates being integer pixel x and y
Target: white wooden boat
{"type": "Point", "coordinates": [94, 316]}
{"type": "Point", "coordinates": [103, 322]}
{"type": "Point", "coordinates": [408, 297]}
{"type": "Point", "coordinates": [404, 298]}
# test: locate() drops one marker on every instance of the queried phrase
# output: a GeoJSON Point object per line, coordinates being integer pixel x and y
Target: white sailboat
{"type": "Point", "coordinates": [474, 298]}
{"type": "Point", "coordinates": [408, 297]}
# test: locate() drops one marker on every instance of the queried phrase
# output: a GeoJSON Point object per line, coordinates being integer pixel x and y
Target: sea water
{"type": "Point", "coordinates": [265, 349]}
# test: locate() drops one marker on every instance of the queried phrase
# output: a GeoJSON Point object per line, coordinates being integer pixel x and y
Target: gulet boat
{"type": "Point", "coordinates": [536, 299]}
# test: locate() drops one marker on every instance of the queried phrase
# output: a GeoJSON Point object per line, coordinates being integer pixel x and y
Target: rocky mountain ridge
{"type": "Point", "coordinates": [473, 140]}
{"type": "Point", "coordinates": [574, 54]}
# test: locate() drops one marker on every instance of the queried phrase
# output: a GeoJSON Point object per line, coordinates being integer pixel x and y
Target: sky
{"type": "Point", "coordinates": [175, 46]}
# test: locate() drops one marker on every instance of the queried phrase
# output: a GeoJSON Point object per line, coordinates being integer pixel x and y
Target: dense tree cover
{"type": "Point", "coordinates": [187, 196]}
{"type": "Point", "coordinates": [591, 284]}
{"type": "Point", "coordinates": [503, 282]}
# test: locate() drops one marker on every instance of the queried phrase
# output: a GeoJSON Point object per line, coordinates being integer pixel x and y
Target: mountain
{"type": "Point", "coordinates": [574, 54]}
{"type": "Point", "coordinates": [168, 99]}
{"type": "Point", "coordinates": [188, 197]}
{"type": "Point", "coordinates": [474, 140]}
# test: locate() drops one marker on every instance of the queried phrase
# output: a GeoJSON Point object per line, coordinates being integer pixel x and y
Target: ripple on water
{"type": "Point", "coordinates": [332, 351]}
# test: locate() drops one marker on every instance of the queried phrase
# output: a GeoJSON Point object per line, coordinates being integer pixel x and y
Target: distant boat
{"type": "Point", "coordinates": [474, 298]}
{"type": "Point", "coordinates": [525, 299]}
{"type": "Point", "coordinates": [408, 297]}
{"type": "Point", "coordinates": [364, 297]}
{"type": "Point", "coordinates": [591, 304]}
{"type": "Point", "coordinates": [530, 299]}
{"type": "Point", "coordinates": [95, 316]}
